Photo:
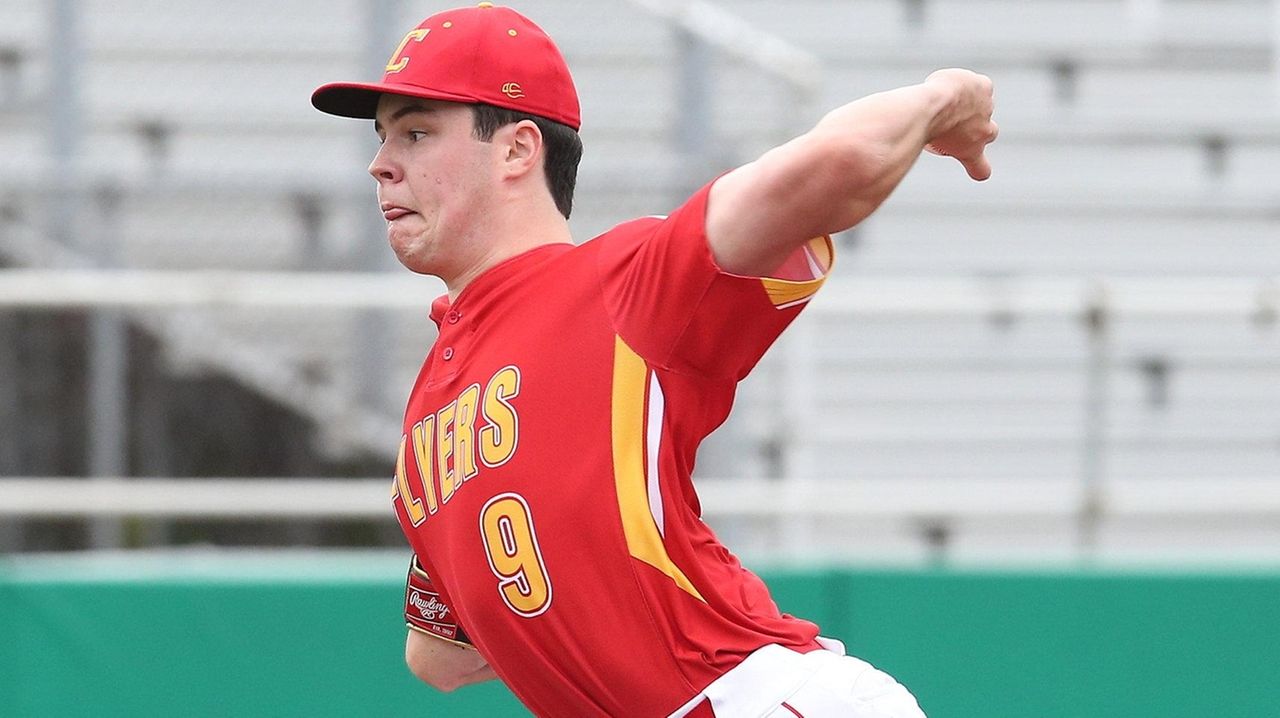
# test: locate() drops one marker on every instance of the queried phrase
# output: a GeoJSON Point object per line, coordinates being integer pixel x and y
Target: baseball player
{"type": "Point", "coordinates": [543, 475]}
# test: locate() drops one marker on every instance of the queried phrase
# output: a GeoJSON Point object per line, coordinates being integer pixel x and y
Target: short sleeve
{"type": "Point", "coordinates": [677, 309]}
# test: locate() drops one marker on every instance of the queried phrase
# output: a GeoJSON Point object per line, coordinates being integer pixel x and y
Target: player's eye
{"type": "Point", "coordinates": [415, 135]}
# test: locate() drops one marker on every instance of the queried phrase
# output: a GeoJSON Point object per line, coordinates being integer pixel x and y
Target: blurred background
{"type": "Point", "coordinates": [1023, 451]}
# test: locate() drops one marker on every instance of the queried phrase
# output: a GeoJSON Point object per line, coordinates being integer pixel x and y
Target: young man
{"type": "Point", "coordinates": [543, 476]}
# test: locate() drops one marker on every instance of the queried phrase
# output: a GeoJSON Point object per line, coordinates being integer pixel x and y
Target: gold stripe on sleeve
{"type": "Point", "coordinates": [785, 293]}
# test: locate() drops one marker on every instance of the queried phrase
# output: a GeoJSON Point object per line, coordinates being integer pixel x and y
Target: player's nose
{"type": "Point", "coordinates": [382, 168]}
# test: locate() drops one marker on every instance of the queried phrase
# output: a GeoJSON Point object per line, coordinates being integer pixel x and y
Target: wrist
{"type": "Point", "coordinates": [941, 93]}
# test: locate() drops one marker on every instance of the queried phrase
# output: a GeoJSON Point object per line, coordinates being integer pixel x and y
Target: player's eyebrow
{"type": "Point", "coordinates": [410, 109]}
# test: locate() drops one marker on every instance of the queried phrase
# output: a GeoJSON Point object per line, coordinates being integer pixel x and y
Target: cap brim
{"type": "Point", "coordinates": [360, 99]}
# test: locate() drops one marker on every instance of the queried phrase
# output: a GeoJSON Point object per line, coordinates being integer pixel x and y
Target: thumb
{"type": "Point", "coordinates": [979, 168]}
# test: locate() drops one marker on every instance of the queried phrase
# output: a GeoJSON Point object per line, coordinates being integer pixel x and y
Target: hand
{"type": "Point", "coordinates": [965, 129]}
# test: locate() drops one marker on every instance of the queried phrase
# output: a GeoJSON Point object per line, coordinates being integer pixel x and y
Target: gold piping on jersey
{"type": "Point", "coordinates": [787, 292]}
{"type": "Point", "coordinates": [630, 382]}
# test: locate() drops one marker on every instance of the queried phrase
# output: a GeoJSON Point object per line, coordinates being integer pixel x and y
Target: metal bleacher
{"type": "Point", "coordinates": [1139, 139]}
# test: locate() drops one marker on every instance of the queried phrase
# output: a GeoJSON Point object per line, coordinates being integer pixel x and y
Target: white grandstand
{"type": "Point", "coordinates": [1083, 351]}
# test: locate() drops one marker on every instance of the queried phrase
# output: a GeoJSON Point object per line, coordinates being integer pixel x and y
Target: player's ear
{"type": "Point", "coordinates": [522, 147]}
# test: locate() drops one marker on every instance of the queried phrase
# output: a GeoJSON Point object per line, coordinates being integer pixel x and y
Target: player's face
{"type": "Point", "coordinates": [433, 178]}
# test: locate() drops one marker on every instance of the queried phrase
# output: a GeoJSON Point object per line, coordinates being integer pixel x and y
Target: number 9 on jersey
{"type": "Point", "coordinates": [514, 556]}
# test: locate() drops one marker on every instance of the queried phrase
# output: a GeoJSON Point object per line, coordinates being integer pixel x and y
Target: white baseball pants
{"type": "Point", "coordinates": [776, 682]}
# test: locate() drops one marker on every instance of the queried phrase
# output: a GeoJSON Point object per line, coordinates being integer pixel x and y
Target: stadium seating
{"type": "Point", "coordinates": [1132, 145]}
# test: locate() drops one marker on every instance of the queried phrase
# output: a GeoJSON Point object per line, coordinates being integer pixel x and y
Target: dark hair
{"type": "Point", "coordinates": [562, 143]}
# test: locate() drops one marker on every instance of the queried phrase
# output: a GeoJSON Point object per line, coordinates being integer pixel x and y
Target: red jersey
{"type": "Point", "coordinates": [543, 478]}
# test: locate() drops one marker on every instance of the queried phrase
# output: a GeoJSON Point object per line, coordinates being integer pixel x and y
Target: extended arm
{"type": "Point", "coordinates": [838, 173]}
{"type": "Point", "coordinates": [444, 665]}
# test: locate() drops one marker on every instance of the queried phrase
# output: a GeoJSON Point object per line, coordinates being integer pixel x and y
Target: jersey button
{"type": "Point", "coordinates": [447, 353]}
{"type": "Point", "coordinates": [452, 317]}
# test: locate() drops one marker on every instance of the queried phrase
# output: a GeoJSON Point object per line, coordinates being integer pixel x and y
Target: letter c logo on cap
{"type": "Point", "coordinates": [512, 90]}
{"type": "Point", "coordinates": [398, 63]}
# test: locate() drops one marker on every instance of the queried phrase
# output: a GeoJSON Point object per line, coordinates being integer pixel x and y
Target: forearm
{"type": "Point", "coordinates": [479, 675]}
{"type": "Point", "coordinates": [444, 665]}
{"type": "Point", "coordinates": [852, 160]}
{"type": "Point", "coordinates": [838, 173]}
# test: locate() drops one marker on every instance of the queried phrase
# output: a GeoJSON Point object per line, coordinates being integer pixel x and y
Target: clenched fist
{"type": "Point", "coordinates": [965, 128]}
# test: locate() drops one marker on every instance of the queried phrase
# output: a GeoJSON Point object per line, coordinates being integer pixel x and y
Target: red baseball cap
{"type": "Point", "coordinates": [483, 54]}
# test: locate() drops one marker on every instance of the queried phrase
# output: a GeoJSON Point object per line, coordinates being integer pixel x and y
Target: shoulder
{"type": "Point", "coordinates": [637, 228]}
{"type": "Point", "coordinates": [621, 243]}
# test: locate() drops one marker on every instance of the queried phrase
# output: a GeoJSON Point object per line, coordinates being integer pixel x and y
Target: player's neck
{"type": "Point", "coordinates": [514, 229]}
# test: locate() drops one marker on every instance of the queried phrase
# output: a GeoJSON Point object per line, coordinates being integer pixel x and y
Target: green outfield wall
{"type": "Point", "coordinates": [314, 635]}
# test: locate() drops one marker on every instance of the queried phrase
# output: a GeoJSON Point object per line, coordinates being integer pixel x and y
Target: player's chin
{"type": "Point", "coordinates": [410, 255]}
{"type": "Point", "coordinates": [403, 241]}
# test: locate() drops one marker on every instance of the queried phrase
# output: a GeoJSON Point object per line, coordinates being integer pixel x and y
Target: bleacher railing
{"type": "Point", "coordinates": [925, 506]}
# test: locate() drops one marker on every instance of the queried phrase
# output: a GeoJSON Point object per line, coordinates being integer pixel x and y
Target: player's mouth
{"type": "Point", "coordinates": [391, 212]}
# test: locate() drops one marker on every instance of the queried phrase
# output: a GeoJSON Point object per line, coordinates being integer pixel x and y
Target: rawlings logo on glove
{"type": "Point", "coordinates": [425, 611]}
{"type": "Point", "coordinates": [429, 607]}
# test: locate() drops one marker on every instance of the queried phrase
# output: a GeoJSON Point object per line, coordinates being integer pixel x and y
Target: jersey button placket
{"type": "Point", "coordinates": [451, 318]}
